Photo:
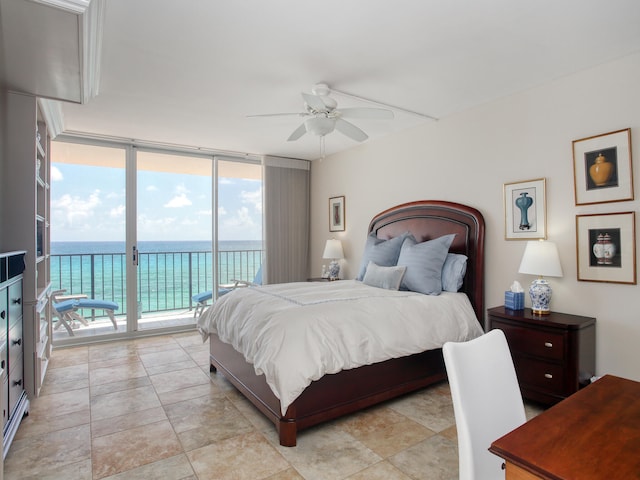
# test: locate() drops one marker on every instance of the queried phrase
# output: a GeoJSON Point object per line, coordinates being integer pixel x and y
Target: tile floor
{"type": "Point", "coordinates": [150, 409]}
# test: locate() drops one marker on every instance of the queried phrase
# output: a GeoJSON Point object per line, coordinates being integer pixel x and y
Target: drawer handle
{"type": "Point", "coordinates": [2, 364]}
{"type": "Point", "coordinates": [548, 344]}
{"type": "Point", "coordinates": [17, 382]}
{"type": "Point", "coordinates": [17, 301]}
{"type": "Point", "coordinates": [16, 342]}
{"type": "Point", "coordinates": [548, 375]}
{"type": "Point", "coordinates": [3, 314]}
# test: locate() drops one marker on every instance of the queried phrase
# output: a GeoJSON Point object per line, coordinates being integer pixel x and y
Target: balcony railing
{"type": "Point", "coordinates": [166, 280]}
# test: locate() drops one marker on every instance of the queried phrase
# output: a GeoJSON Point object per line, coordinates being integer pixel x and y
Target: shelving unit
{"type": "Point", "coordinates": [26, 213]}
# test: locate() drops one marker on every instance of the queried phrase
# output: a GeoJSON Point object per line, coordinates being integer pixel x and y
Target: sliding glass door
{"type": "Point", "coordinates": [155, 231]}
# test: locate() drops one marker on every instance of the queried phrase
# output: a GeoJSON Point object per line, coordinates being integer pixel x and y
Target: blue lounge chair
{"type": "Point", "coordinates": [201, 299]}
{"type": "Point", "coordinates": [67, 310]}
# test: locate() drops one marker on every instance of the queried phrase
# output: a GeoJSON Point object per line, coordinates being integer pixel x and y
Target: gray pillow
{"type": "Point", "coordinates": [383, 277]}
{"type": "Point", "coordinates": [424, 263]}
{"type": "Point", "coordinates": [453, 270]}
{"type": "Point", "coordinates": [383, 253]}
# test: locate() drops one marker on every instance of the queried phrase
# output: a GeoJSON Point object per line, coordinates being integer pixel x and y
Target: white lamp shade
{"type": "Point", "coordinates": [333, 249]}
{"type": "Point", "coordinates": [541, 258]}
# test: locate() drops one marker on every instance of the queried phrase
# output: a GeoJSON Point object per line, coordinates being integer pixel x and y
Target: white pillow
{"type": "Point", "coordinates": [383, 277]}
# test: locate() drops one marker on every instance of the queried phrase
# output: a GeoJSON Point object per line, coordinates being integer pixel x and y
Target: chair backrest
{"type": "Point", "coordinates": [486, 401]}
{"type": "Point", "coordinates": [258, 278]}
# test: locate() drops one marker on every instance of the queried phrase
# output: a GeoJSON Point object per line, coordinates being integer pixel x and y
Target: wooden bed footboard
{"type": "Point", "coordinates": [331, 396]}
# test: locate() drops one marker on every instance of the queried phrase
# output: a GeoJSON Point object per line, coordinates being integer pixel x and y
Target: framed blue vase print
{"type": "Point", "coordinates": [525, 210]}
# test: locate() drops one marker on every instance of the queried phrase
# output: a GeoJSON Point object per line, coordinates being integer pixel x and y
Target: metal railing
{"type": "Point", "coordinates": [166, 280]}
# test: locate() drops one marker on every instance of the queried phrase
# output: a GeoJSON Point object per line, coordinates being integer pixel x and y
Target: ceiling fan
{"type": "Point", "coordinates": [323, 115]}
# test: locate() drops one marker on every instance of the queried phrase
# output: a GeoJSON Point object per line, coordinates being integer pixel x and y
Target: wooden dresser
{"type": "Point", "coordinates": [554, 355]}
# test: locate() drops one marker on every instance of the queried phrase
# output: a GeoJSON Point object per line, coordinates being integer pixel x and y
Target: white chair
{"type": "Point", "coordinates": [486, 401]}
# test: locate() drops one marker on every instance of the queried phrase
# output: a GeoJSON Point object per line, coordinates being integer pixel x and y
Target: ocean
{"type": "Point", "coordinates": [169, 272]}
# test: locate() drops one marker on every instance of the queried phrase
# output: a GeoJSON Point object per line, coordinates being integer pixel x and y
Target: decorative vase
{"type": "Point", "coordinates": [609, 249]}
{"type": "Point", "coordinates": [598, 249]}
{"type": "Point", "coordinates": [604, 249]}
{"type": "Point", "coordinates": [523, 203]}
{"type": "Point", "coordinates": [601, 171]}
{"type": "Point", "coordinates": [540, 293]}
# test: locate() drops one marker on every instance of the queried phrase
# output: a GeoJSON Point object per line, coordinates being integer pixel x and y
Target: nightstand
{"type": "Point", "coordinates": [554, 355]}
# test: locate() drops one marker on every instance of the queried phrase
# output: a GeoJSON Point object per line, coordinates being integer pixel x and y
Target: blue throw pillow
{"type": "Point", "coordinates": [383, 277]}
{"type": "Point", "coordinates": [453, 270]}
{"type": "Point", "coordinates": [383, 253]}
{"type": "Point", "coordinates": [424, 263]}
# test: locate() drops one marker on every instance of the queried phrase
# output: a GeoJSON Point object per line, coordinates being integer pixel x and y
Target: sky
{"type": "Point", "coordinates": [88, 204]}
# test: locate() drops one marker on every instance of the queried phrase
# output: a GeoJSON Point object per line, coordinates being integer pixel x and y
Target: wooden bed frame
{"type": "Point", "coordinates": [348, 391]}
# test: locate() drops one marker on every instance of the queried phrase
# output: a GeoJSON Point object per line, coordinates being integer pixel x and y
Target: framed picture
{"type": "Point", "coordinates": [525, 210]}
{"type": "Point", "coordinates": [606, 245]}
{"type": "Point", "coordinates": [336, 214]}
{"type": "Point", "coordinates": [602, 168]}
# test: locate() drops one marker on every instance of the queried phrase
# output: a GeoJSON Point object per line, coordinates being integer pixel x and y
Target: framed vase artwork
{"type": "Point", "coordinates": [525, 209]}
{"type": "Point", "coordinates": [602, 170]}
{"type": "Point", "coordinates": [336, 214]}
{"type": "Point", "coordinates": [606, 245]}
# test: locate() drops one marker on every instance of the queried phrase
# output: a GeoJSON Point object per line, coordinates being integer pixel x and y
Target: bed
{"type": "Point", "coordinates": [346, 391]}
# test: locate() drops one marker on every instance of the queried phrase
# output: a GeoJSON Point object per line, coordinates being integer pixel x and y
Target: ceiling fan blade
{"type": "Point", "coordinates": [366, 112]}
{"type": "Point", "coordinates": [300, 114]}
{"type": "Point", "coordinates": [350, 130]}
{"type": "Point", "coordinates": [314, 102]}
{"type": "Point", "coordinates": [297, 133]}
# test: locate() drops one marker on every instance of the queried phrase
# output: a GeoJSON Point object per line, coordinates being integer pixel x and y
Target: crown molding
{"type": "Point", "coordinates": [52, 113]}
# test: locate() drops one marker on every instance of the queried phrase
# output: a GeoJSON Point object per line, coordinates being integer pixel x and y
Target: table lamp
{"type": "Point", "coordinates": [333, 251]}
{"type": "Point", "coordinates": [540, 258]}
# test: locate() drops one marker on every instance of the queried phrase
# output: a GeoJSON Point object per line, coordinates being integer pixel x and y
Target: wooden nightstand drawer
{"type": "Point", "coordinates": [534, 342]}
{"type": "Point", "coordinates": [543, 376]}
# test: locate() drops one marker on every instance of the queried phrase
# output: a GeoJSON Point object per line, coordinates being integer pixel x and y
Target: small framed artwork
{"type": "Point", "coordinates": [525, 210]}
{"type": "Point", "coordinates": [606, 245]}
{"type": "Point", "coordinates": [602, 169]}
{"type": "Point", "coordinates": [336, 214]}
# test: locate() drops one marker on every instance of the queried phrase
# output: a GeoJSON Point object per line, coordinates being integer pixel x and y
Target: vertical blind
{"type": "Point", "coordinates": [286, 219]}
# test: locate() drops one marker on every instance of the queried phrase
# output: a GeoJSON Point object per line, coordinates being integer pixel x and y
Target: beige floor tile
{"type": "Point", "coordinates": [65, 357]}
{"type": "Point", "coordinates": [179, 379]}
{"type": "Point", "coordinates": [119, 386]}
{"type": "Point", "coordinates": [187, 393]}
{"type": "Point", "coordinates": [72, 373]}
{"type": "Point", "coordinates": [288, 474]}
{"type": "Point", "coordinates": [123, 402]}
{"type": "Point", "coordinates": [63, 403]}
{"type": "Point", "coordinates": [32, 456]}
{"type": "Point", "coordinates": [154, 369]}
{"type": "Point", "coordinates": [129, 370]}
{"type": "Point", "coordinates": [380, 471]}
{"type": "Point", "coordinates": [111, 425]}
{"type": "Point", "coordinates": [326, 453]}
{"type": "Point", "coordinates": [245, 457]}
{"type": "Point", "coordinates": [431, 408]}
{"type": "Point", "coordinates": [385, 431]}
{"type": "Point", "coordinates": [435, 458]}
{"type": "Point", "coordinates": [172, 468]}
{"type": "Point", "coordinates": [109, 351]}
{"type": "Point", "coordinates": [39, 423]}
{"type": "Point", "coordinates": [129, 449]}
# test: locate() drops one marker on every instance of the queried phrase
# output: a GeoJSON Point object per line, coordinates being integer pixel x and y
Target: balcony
{"type": "Point", "coordinates": [166, 281]}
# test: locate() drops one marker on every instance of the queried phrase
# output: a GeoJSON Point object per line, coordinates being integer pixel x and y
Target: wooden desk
{"type": "Point", "coordinates": [593, 434]}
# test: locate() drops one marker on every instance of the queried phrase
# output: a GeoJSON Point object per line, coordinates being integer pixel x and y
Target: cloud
{"type": "Point", "coordinates": [76, 209]}
{"type": "Point", "coordinates": [221, 211]}
{"type": "Point", "coordinates": [241, 219]}
{"type": "Point", "coordinates": [151, 188]}
{"type": "Point", "coordinates": [179, 201]}
{"type": "Point", "coordinates": [253, 198]}
{"type": "Point", "coordinates": [117, 212]}
{"type": "Point", "coordinates": [56, 174]}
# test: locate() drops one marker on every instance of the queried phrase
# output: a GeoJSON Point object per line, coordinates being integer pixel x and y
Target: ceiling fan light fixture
{"type": "Point", "coordinates": [320, 125]}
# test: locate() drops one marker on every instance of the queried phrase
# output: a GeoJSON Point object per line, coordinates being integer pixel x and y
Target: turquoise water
{"type": "Point", "coordinates": [169, 273]}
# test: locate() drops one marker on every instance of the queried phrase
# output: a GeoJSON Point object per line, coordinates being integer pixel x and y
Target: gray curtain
{"type": "Point", "coordinates": [286, 220]}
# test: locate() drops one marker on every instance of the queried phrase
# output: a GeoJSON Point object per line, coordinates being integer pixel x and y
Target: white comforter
{"type": "Point", "coordinates": [297, 332]}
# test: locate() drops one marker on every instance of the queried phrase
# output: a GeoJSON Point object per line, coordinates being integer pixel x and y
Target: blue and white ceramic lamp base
{"type": "Point", "coordinates": [540, 293]}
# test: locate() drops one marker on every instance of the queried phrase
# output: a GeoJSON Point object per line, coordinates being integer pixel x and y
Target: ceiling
{"type": "Point", "coordinates": [189, 72]}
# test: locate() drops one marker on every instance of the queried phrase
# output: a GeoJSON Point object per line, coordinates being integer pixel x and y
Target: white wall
{"type": "Point", "coordinates": [469, 156]}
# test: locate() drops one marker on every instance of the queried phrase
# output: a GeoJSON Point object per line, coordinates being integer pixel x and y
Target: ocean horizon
{"type": "Point", "coordinates": [169, 272]}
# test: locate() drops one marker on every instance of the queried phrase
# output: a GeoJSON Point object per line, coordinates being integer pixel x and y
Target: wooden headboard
{"type": "Point", "coordinates": [429, 219]}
